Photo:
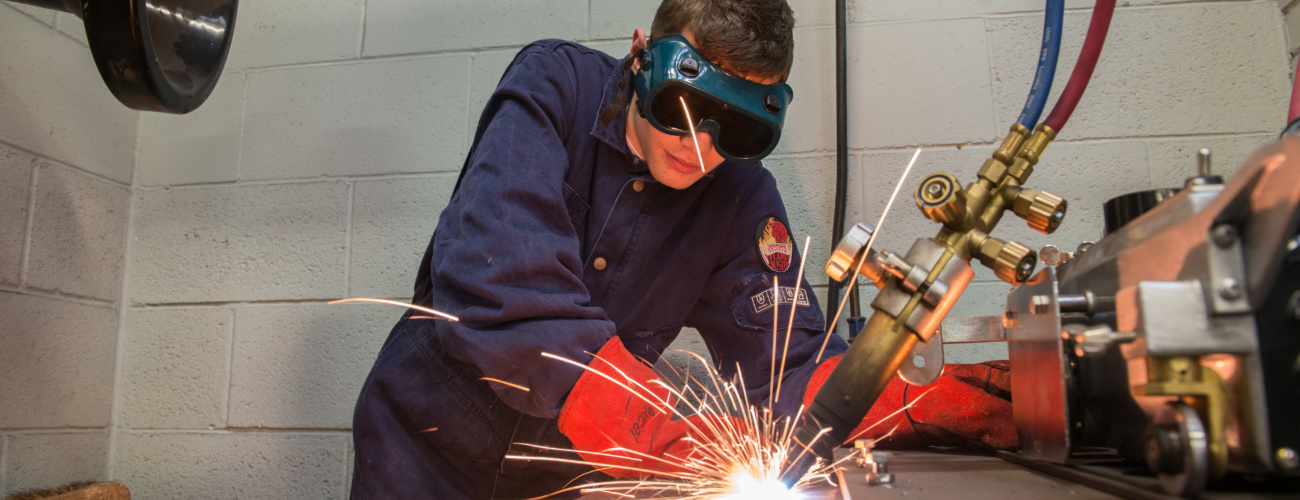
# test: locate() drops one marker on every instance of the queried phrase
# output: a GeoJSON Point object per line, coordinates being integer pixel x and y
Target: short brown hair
{"type": "Point", "coordinates": [750, 37]}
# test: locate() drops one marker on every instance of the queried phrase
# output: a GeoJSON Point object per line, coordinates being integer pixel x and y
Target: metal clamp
{"type": "Point", "coordinates": [942, 288]}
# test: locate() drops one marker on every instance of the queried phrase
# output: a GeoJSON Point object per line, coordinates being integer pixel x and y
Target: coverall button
{"type": "Point", "coordinates": [638, 185]}
{"type": "Point", "coordinates": [599, 264]}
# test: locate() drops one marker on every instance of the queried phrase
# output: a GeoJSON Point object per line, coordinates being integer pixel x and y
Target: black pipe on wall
{"type": "Point", "coordinates": [841, 157]}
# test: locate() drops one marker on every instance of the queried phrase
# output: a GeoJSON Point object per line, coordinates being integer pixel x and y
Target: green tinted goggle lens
{"type": "Point", "coordinates": [733, 132]}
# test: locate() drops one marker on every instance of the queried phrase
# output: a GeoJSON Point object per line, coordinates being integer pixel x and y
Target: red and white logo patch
{"type": "Point", "coordinates": [774, 244]}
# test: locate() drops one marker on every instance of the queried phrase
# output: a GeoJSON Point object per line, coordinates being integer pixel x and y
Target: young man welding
{"type": "Point", "coordinates": [590, 219]}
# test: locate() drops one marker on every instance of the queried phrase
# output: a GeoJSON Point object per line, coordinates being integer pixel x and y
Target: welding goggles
{"type": "Point", "coordinates": [744, 118]}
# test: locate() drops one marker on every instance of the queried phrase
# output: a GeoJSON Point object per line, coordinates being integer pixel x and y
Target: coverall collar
{"type": "Point", "coordinates": [610, 126]}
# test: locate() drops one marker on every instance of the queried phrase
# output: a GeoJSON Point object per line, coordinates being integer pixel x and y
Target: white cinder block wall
{"type": "Point", "coordinates": [67, 150]}
{"type": "Point", "coordinates": [317, 169]}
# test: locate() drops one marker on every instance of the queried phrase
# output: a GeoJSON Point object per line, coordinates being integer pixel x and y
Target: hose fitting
{"type": "Point", "coordinates": [1031, 152]}
{"type": "Point", "coordinates": [1006, 153]}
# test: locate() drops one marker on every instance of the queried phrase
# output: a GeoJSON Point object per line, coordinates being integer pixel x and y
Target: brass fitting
{"type": "Point", "coordinates": [1010, 261]}
{"type": "Point", "coordinates": [993, 171]}
{"type": "Point", "coordinates": [1044, 211]}
{"type": "Point", "coordinates": [1031, 152]}
{"type": "Point", "coordinates": [1006, 153]}
{"type": "Point", "coordinates": [1187, 378]}
{"type": "Point", "coordinates": [941, 198]}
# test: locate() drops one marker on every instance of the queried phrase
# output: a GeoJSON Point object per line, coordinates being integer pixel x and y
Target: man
{"type": "Point", "coordinates": [590, 219]}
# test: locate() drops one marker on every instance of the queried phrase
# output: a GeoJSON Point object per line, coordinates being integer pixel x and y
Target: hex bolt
{"type": "Point", "coordinates": [935, 189]}
{"type": "Point", "coordinates": [1203, 162]}
{"type": "Point", "coordinates": [1010, 320]}
{"type": "Point", "coordinates": [1224, 235]}
{"type": "Point", "coordinates": [865, 458]}
{"type": "Point", "coordinates": [1230, 289]}
{"type": "Point", "coordinates": [1287, 459]}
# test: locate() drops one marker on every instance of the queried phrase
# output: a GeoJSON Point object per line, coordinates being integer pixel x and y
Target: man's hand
{"type": "Point", "coordinates": [970, 405]}
{"type": "Point", "coordinates": [620, 418]}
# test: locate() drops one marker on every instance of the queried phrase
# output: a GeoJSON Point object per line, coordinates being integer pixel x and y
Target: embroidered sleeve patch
{"type": "Point", "coordinates": [764, 301]}
{"type": "Point", "coordinates": [774, 244]}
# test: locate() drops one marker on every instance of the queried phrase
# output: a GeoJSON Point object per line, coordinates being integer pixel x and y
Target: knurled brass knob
{"type": "Point", "coordinates": [1043, 211]}
{"type": "Point", "coordinates": [1010, 261]}
{"type": "Point", "coordinates": [941, 198]}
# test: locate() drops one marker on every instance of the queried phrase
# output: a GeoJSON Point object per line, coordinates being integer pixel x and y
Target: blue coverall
{"type": "Point", "coordinates": [556, 239]}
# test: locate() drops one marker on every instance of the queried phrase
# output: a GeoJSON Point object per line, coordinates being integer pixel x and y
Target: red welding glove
{"type": "Point", "coordinates": [970, 405]}
{"type": "Point", "coordinates": [610, 425]}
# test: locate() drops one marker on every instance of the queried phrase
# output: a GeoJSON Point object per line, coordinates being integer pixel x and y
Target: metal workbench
{"type": "Point", "coordinates": [968, 475]}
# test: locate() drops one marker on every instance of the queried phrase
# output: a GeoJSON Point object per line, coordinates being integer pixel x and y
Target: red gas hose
{"type": "Point", "coordinates": [1101, 15]}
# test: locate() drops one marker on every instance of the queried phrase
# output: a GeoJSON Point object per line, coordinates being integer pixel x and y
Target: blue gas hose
{"type": "Point", "coordinates": [1046, 65]}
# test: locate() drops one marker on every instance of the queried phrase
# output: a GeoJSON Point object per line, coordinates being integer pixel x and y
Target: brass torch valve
{"type": "Point", "coordinates": [1042, 210]}
{"type": "Point", "coordinates": [1010, 261]}
{"type": "Point", "coordinates": [942, 199]}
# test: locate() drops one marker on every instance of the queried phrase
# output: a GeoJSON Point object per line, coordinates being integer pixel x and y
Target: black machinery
{"type": "Point", "coordinates": [156, 55]}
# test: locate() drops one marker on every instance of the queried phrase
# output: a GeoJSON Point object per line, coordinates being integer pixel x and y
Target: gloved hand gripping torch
{"type": "Point", "coordinates": [918, 290]}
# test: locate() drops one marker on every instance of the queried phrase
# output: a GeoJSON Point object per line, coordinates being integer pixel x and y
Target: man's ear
{"type": "Point", "coordinates": [638, 43]}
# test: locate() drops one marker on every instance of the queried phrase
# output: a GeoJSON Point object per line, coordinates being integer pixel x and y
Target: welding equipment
{"type": "Point", "coordinates": [156, 55]}
{"type": "Point", "coordinates": [1172, 340]}
{"type": "Point", "coordinates": [744, 118]}
{"type": "Point", "coordinates": [919, 289]}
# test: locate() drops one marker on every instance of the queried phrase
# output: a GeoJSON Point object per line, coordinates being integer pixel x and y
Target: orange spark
{"type": "Point", "coordinates": [396, 303]}
{"type": "Point", "coordinates": [502, 382]}
{"type": "Point", "coordinates": [691, 123]}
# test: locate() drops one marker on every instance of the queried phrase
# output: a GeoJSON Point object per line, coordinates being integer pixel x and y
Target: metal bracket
{"type": "Point", "coordinates": [971, 329]}
{"type": "Point", "coordinates": [925, 365]}
{"type": "Point", "coordinates": [1038, 369]}
{"type": "Point", "coordinates": [1175, 320]}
